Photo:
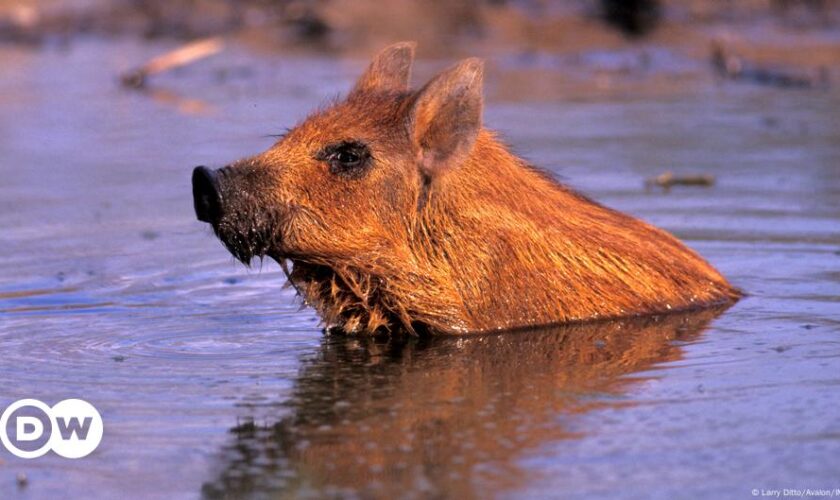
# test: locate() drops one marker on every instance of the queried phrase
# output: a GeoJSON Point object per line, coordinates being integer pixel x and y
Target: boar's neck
{"type": "Point", "coordinates": [510, 247]}
{"type": "Point", "coordinates": [498, 244]}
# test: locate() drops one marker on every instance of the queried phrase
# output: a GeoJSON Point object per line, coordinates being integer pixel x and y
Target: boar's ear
{"type": "Point", "coordinates": [390, 70]}
{"type": "Point", "coordinates": [446, 117]}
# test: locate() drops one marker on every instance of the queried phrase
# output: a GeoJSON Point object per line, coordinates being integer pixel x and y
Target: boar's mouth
{"type": "Point", "coordinates": [254, 231]}
{"type": "Point", "coordinates": [238, 204]}
{"type": "Point", "coordinates": [246, 240]}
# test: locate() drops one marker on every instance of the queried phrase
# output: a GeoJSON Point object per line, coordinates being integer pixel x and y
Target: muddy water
{"type": "Point", "coordinates": [212, 382]}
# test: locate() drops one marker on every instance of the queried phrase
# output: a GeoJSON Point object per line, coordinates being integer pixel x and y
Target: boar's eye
{"type": "Point", "coordinates": [347, 158]}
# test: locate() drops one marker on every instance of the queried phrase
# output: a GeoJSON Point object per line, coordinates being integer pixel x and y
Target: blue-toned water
{"type": "Point", "coordinates": [213, 382]}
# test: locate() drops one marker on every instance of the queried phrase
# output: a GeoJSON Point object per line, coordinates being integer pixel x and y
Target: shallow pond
{"type": "Point", "coordinates": [213, 382]}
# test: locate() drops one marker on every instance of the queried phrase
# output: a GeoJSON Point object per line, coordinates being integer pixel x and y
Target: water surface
{"type": "Point", "coordinates": [213, 382]}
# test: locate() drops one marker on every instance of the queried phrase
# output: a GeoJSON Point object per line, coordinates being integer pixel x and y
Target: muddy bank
{"type": "Point", "coordinates": [440, 26]}
{"type": "Point", "coordinates": [568, 49]}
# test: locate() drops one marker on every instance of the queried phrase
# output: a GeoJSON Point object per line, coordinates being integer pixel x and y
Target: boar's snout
{"type": "Point", "coordinates": [206, 196]}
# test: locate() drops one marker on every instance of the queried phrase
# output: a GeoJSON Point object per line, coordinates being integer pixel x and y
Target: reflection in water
{"type": "Point", "coordinates": [185, 105]}
{"type": "Point", "coordinates": [388, 418]}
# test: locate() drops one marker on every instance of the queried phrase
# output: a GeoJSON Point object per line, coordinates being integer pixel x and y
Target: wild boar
{"type": "Point", "coordinates": [395, 210]}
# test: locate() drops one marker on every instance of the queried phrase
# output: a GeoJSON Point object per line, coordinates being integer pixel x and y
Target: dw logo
{"type": "Point", "coordinates": [71, 428]}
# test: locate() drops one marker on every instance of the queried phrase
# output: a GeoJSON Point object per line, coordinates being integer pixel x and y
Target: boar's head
{"type": "Point", "coordinates": [338, 195]}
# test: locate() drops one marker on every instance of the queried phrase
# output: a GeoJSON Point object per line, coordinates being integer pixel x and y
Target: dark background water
{"type": "Point", "coordinates": [212, 381]}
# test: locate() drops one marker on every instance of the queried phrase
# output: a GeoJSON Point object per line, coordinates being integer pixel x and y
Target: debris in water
{"type": "Point", "coordinates": [733, 67]}
{"type": "Point", "coordinates": [668, 180]}
{"type": "Point", "coordinates": [181, 56]}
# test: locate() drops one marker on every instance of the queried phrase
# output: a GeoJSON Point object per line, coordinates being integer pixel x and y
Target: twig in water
{"type": "Point", "coordinates": [668, 180]}
{"type": "Point", "coordinates": [181, 56]}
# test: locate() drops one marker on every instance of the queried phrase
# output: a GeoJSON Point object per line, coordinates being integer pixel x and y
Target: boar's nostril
{"type": "Point", "coordinates": [206, 197]}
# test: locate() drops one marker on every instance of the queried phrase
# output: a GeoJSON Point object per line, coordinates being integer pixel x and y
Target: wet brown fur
{"type": "Point", "coordinates": [447, 231]}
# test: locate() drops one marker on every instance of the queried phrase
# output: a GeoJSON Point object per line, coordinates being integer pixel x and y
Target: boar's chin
{"type": "Point", "coordinates": [250, 238]}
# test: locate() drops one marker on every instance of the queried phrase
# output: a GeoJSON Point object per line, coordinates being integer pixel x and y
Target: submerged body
{"type": "Point", "coordinates": [397, 210]}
